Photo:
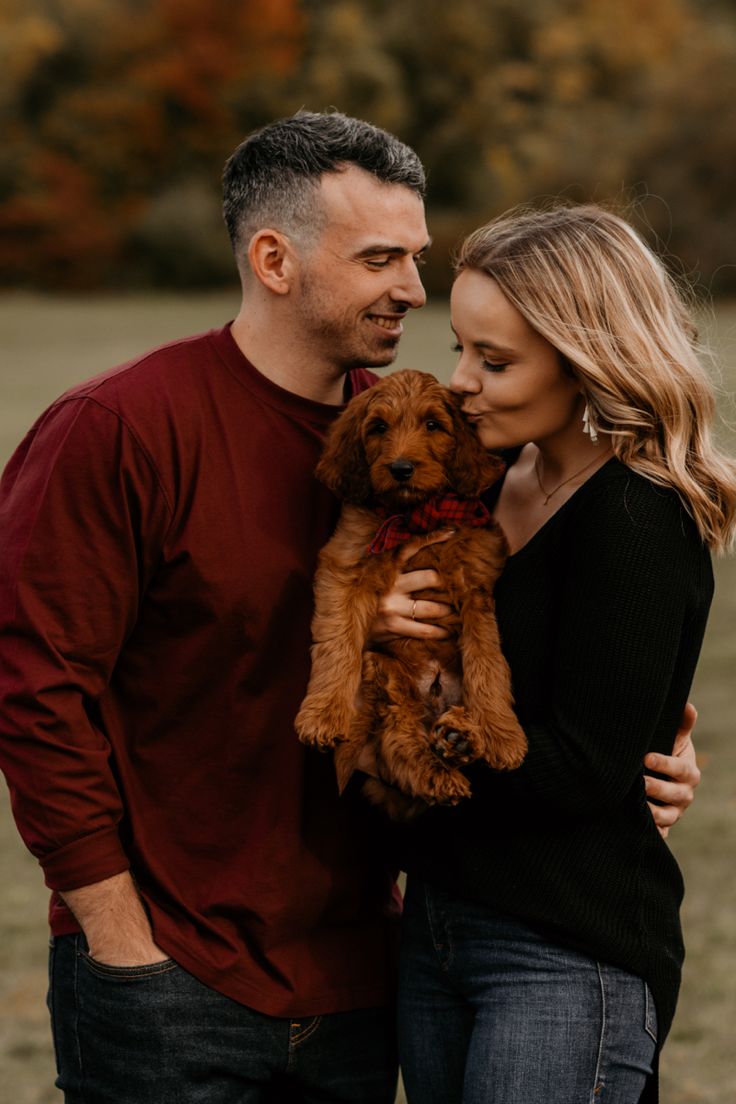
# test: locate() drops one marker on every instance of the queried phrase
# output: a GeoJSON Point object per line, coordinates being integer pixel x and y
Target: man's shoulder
{"type": "Point", "coordinates": [158, 398]}
{"type": "Point", "coordinates": [173, 364]}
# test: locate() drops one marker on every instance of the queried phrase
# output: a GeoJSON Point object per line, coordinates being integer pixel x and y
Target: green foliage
{"type": "Point", "coordinates": [120, 113]}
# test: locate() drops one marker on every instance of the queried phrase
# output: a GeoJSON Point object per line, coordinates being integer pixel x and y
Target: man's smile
{"type": "Point", "coordinates": [390, 324]}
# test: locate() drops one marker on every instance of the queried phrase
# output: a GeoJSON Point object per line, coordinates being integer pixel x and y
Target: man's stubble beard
{"type": "Point", "coordinates": [337, 337]}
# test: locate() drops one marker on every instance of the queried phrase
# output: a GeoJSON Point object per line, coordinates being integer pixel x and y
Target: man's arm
{"type": "Point", "coordinates": [82, 525]}
{"type": "Point", "coordinates": [114, 922]}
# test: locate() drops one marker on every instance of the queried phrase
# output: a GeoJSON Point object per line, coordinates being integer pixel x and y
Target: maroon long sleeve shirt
{"type": "Point", "coordinates": [159, 528]}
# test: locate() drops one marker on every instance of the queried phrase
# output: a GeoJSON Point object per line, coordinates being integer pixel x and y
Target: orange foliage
{"type": "Point", "coordinates": [114, 103]}
{"type": "Point", "coordinates": [122, 112]}
{"type": "Point", "coordinates": [58, 228]}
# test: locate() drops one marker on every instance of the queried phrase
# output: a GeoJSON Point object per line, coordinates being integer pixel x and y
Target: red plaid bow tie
{"type": "Point", "coordinates": [435, 514]}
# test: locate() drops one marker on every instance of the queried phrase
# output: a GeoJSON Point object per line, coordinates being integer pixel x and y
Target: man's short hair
{"type": "Point", "coordinates": [272, 178]}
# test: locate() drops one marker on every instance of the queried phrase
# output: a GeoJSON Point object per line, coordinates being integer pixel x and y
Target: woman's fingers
{"type": "Point", "coordinates": [423, 609]}
{"type": "Point", "coordinates": [404, 610]}
{"type": "Point", "coordinates": [401, 614]}
{"type": "Point", "coordinates": [390, 627]}
{"type": "Point", "coordinates": [411, 581]}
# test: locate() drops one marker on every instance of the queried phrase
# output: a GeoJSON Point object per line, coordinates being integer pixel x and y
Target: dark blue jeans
{"type": "Point", "coordinates": [491, 1013]}
{"type": "Point", "coordinates": [156, 1035]}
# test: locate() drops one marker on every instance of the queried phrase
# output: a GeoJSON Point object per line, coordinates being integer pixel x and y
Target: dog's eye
{"type": "Point", "coordinates": [433, 426]}
{"type": "Point", "coordinates": [377, 428]}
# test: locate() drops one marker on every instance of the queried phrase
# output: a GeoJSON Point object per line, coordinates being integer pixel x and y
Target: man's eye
{"type": "Point", "coordinates": [377, 264]}
{"type": "Point", "coordinates": [377, 428]}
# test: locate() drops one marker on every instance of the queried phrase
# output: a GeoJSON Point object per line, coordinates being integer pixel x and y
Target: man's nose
{"type": "Point", "coordinates": [409, 288]}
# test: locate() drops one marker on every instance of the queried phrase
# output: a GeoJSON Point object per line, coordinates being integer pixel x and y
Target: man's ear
{"type": "Point", "coordinates": [272, 260]}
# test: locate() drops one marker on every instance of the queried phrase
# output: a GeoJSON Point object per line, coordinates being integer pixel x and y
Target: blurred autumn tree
{"type": "Point", "coordinates": [120, 114]}
{"type": "Point", "coordinates": [633, 102]}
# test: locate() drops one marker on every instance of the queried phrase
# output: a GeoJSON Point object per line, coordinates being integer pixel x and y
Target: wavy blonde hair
{"type": "Point", "coordinates": [585, 281]}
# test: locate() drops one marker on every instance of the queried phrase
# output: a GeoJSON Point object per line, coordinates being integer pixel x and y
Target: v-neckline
{"type": "Point", "coordinates": [559, 511]}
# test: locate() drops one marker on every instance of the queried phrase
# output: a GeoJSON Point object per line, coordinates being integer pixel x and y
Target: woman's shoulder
{"type": "Point", "coordinates": [619, 498]}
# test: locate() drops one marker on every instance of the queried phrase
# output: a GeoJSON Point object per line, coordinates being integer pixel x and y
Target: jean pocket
{"type": "Point", "coordinates": [650, 1013]}
{"type": "Point", "coordinates": [127, 973]}
{"type": "Point", "coordinates": [50, 1003]}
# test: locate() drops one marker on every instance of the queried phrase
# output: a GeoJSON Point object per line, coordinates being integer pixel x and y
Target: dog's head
{"type": "Point", "coordinates": [402, 442]}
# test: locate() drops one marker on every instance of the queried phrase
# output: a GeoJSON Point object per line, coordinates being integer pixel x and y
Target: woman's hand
{"type": "Point", "coordinates": [400, 613]}
{"type": "Point", "coordinates": [678, 790]}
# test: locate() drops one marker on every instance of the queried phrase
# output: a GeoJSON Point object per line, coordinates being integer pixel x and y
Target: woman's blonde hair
{"type": "Point", "coordinates": [583, 278]}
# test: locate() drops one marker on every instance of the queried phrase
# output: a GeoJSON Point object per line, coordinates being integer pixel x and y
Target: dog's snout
{"type": "Point", "coordinates": [401, 470]}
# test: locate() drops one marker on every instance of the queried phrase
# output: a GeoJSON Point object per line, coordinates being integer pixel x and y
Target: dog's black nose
{"type": "Point", "coordinates": [401, 470]}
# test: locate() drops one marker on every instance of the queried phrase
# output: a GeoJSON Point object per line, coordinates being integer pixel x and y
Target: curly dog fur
{"type": "Point", "coordinates": [422, 708]}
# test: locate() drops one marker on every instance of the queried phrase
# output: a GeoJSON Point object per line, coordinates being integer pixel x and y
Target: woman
{"type": "Point", "coordinates": [542, 946]}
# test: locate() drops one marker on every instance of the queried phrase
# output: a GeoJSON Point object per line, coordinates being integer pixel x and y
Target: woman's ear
{"type": "Point", "coordinates": [272, 261]}
{"type": "Point", "coordinates": [343, 466]}
{"type": "Point", "coordinates": [472, 468]}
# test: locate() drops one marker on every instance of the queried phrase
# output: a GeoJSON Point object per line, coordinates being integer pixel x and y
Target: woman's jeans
{"type": "Point", "coordinates": [491, 1013]}
{"type": "Point", "coordinates": [156, 1035]}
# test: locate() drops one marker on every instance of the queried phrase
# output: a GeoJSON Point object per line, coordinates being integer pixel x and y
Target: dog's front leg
{"type": "Point", "coordinates": [344, 613]}
{"type": "Point", "coordinates": [487, 694]}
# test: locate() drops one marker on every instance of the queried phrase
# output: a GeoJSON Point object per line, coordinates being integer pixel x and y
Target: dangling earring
{"type": "Point", "coordinates": [589, 425]}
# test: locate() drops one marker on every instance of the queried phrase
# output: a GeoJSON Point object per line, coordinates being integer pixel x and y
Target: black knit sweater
{"type": "Point", "coordinates": [602, 616]}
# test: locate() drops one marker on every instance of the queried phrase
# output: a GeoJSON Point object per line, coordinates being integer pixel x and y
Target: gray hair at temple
{"type": "Point", "coordinates": [272, 178]}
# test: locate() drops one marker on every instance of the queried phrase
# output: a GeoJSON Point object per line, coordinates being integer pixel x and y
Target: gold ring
{"type": "Point", "coordinates": [414, 611]}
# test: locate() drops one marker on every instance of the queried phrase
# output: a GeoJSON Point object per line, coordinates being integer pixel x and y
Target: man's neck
{"type": "Point", "coordinates": [279, 359]}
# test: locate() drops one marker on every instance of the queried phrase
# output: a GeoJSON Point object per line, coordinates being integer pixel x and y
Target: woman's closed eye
{"type": "Point", "coordinates": [486, 365]}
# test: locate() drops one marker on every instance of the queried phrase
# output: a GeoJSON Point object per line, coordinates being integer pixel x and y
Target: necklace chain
{"type": "Point", "coordinates": [548, 494]}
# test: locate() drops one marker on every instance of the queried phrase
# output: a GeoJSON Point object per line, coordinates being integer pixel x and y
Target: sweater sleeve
{"type": "Point", "coordinates": [624, 637]}
{"type": "Point", "coordinates": [82, 518]}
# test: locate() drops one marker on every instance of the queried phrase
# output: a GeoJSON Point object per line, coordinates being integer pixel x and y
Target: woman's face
{"type": "Point", "coordinates": [513, 382]}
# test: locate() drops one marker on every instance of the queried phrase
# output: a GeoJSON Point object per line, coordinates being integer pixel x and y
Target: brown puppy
{"type": "Point", "coordinates": [413, 711]}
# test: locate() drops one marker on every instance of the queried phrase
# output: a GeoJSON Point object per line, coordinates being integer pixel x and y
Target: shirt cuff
{"type": "Point", "coordinates": [85, 861]}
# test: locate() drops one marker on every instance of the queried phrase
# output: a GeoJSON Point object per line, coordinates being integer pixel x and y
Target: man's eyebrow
{"type": "Point", "coordinates": [393, 250]}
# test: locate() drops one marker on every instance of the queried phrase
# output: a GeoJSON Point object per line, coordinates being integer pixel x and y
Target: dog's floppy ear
{"type": "Point", "coordinates": [472, 469]}
{"type": "Point", "coordinates": [343, 466]}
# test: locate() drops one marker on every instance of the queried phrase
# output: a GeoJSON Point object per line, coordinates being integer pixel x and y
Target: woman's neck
{"type": "Point", "coordinates": [562, 463]}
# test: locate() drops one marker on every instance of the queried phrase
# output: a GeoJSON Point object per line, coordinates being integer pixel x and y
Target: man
{"type": "Point", "coordinates": [223, 924]}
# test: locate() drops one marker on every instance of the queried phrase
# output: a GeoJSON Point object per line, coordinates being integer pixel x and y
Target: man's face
{"type": "Point", "coordinates": [360, 279]}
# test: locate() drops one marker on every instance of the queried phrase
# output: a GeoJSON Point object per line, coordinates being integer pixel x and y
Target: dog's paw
{"type": "Point", "coordinates": [317, 729]}
{"type": "Point", "coordinates": [454, 738]}
{"type": "Point", "coordinates": [505, 754]}
{"type": "Point", "coordinates": [452, 746]}
{"type": "Point", "coordinates": [441, 786]}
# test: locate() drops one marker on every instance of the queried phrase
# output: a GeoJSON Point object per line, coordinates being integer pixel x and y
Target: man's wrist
{"type": "Point", "coordinates": [114, 921]}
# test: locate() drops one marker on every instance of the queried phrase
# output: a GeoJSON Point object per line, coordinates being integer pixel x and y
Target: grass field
{"type": "Point", "coordinates": [48, 344]}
